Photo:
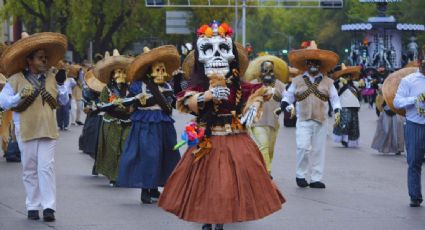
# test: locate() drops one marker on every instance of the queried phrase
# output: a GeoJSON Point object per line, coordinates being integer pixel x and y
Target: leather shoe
{"type": "Point", "coordinates": [49, 215]}
{"type": "Point", "coordinates": [415, 203]}
{"type": "Point", "coordinates": [317, 184]}
{"type": "Point", "coordinates": [207, 227]}
{"type": "Point", "coordinates": [145, 197]}
{"type": "Point", "coordinates": [154, 193]}
{"type": "Point", "coordinates": [301, 182]}
{"type": "Point", "coordinates": [33, 215]}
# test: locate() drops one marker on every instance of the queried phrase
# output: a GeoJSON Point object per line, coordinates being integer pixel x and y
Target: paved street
{"type": "Point", "coordinates": [365, 191]}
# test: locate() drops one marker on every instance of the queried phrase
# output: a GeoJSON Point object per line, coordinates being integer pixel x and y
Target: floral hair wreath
{"type": "Point", "coordinates": [214, 29]}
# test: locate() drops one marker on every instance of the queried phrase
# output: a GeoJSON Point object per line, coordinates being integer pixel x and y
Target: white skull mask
{"type": "Point", "coordinates": [159, 73]}
{"type": "Point", "coordinates": [215, 53]}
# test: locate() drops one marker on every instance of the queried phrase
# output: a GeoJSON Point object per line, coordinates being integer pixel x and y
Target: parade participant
{"type": "Point", "coordinates": [32, 92]}
{"type": "Point", "coordinates": [312, 90]}
{"type": "Point", "coordinates": [411, 97]}
{"type": "Point", "coordinates": [77, 95]}
{"type": "Point", "coordinates": [148, 157]}
{"type": "Point", "coordinates": [347, 132]}
{"type": "Point", "coordinates": [5, 120]}
{"type": "Point", "coordinates": [389, 134]}
{"type": "Point", "coordinates": [270, 71]}
{"type": "Point", "coordinates": [64, 109]}
{"type": "Point", "coordinates": [116, 122]}
{"type": "Point", "coordinates": [88, 140]}
{"type": "Point", "coordinates": [222, 179]}
{"type": "Point", "coordinates": [370, 86]}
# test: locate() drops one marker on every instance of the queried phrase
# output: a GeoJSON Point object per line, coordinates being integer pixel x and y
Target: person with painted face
{"type": "Point", "coordinates": [116, 121]}
{"type": "Point", "coordinates": [32, 93]}
{"type": "Point", "coordinates": [271, 71]}
{"type": "Point", "coordinates": [222, 178]}
{"type": "Point", "coordinates": [311, 90]}
{"type": "Point", "coordinates": [347, 132]}
{"type": "Point", "coordinates": [148, 157]}
{"type": "Point", "coordinates": [411, 97]}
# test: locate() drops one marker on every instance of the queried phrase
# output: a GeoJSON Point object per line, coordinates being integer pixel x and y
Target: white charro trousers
{"type": "Point", "coordinates": [311, 145]}
{"type": "Point", "coordinates": [38, 163]}
{"type": "Point", "coordinates": [76, 110]}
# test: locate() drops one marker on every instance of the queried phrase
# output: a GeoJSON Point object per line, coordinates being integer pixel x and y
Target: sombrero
{"type": "Point", "coordinates": [280, 70]}
{"type": "Point", "coordinates": [13, 59]}
{"type": "Point", "coordinates": [390, 87]}
{"type": "Point", "coordinates": [412, 64]}
{"type": "Point", "coordinates": [328, 59]}
{"type": "Point", "coordinates": [167, 54]}
{"type": "Point", "coordinates": [2, 48]}
{"type": "Point", "coordinates": [3, 79]}
{"type": "Point", "coordinates": [103, 68]}
{"type": "Point", "coordinates": [354, 71]}
{"type": "Point", "coordinates": [293, 72]}
{"type": "Point", "coordinates": [73, 70]}
{"type": "Point", "coordinates": [373, 72]}
{"type": "Point", "coordinates": [189, 61]}
{"type": "Point", "coordinates": [92, 82]}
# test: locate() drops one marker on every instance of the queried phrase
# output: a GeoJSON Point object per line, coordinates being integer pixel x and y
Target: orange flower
{"type": "Point", "coordinates": [221, 31]}
{"type": "Point", "coordinates": [209, 32]}
{"type": "Point", "coordinates": [202, 29]}
{"type": "Point", "coordinates": [112, 98]}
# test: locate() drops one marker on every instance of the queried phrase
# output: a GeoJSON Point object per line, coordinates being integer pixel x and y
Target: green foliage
{"type": "Point", "coordinates": [119, 23]}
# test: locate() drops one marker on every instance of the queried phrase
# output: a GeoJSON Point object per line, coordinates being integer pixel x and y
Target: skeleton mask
{"type": "Point", "coordinates": [159, 73]}
{"type": "Point", "coordinates": [120, 76]}
{"type": "Point", "coordinates": [215, 53]}
{"type": "Point", "coordinates": [267, 74]}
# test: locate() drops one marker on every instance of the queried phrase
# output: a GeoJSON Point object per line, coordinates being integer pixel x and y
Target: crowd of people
{"type": "Point", "coordinates": [225, 175]}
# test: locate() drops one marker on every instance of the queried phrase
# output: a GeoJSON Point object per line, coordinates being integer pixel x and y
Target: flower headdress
{"type": "Point", "coordinates": [215, 28]}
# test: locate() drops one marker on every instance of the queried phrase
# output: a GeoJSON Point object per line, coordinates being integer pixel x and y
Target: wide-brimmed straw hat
{"type": "Point", "coordinates": [3, 79]}
{"type": "Point", "coordinates": [293, 72]}
{"type": "Point", "coordinates": [327, 58]}
{"type": "Point", "coordinates": [167, 54]}
{"type": "Point", "coordinates": [13, 59]}
{"type": "Point", "coordinates": [280, 70]}
{"type": "Point", "coordinates": [354, 71]}
{"type": "Point", "coordinates": [92, 82]}
{"type": "Point", "coordinates": [189, 61]}
{"type": "Point", "coordinates": [104, 68]}
{"type": "Point", "coordinates": [390, 87]}
{"type": "Point", "coordinates": [73, 70]}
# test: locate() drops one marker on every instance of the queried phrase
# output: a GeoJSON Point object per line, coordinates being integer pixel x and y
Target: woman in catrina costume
{"type": "Point", "coordinates": [223, 179]}
{"type": "Point", "coordinates": [149, 158]}
{"type": "Point", "coordinates": [347, 132]}
{"type": "Point", "coordinates": [116, 122]}
{"type": "Point", "coordinates": [89, 137]}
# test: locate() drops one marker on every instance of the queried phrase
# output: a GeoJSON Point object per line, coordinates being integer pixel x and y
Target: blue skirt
{"type": "Point", "coordinates": [148, 158]}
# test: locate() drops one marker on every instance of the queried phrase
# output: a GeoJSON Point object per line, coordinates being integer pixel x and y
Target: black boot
{"type": "Point", "coordinates": [154, 193]}
{"type": "Point", "coordinates": [49, 215]}
{"type": "Point", "coordinates": [93, 171]}
{"type": "Point", "coordinates": [207, 227]}
{"type": "Point", "coordinates": [145, 197]}
{"type": "Point", "coordinates": [219, 227]}
{"type": "Point", "coordinates": [301, 182]}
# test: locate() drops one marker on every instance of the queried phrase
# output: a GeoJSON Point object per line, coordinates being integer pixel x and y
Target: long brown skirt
{"type": "Point", "coordinates": [230, 184]}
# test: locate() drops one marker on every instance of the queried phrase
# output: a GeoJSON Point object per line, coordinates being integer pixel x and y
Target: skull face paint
{"type": "Point", "coordinates": [215, 53]}
{"type": "Point", "coordinates": [267, 74]}
{"type": "Point", "coordinates": [159, 73]}
{"type": "Point", "coordinates": [120, 76]}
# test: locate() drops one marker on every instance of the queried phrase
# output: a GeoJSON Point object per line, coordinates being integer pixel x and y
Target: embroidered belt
{"type": "Point", "coordinates": [225, 130]}
{"type": "Point", "coordinates": [119, 121]}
